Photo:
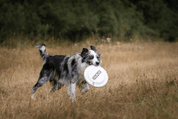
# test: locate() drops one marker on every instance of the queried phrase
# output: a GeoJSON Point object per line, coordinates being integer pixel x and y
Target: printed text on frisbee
{"type": "Point", "coordinates": [96, 75]}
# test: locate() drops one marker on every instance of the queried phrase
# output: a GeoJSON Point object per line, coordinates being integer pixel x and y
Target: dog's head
{"type": "Point", "coordinates": [91, 57]}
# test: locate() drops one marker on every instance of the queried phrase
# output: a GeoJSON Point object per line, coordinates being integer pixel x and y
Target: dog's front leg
{"type": "Point", "coordinates": [85, 87]}
{"type": "Point", "coordinates": [71, 90]}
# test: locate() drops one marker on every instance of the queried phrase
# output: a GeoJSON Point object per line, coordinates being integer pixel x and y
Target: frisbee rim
{"type": "Point", "coordinates": [91, 81]}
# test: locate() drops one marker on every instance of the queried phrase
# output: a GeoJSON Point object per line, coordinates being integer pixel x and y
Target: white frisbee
{"type": "Point", "coordinates": [96, 76]}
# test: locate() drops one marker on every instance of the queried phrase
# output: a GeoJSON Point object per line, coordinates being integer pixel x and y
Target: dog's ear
{"type": "Point", "coordinates": [93, 48]}
{"type": "Point", "coordinates": [84, 52]}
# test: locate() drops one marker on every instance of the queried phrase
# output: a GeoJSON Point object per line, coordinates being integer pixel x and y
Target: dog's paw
{"type": "Point", "coordinates": [32, 97]}
{"type": "Point", "coordinates": [84, 91]}
{"type": "Point", "coordinates": [73, 98]}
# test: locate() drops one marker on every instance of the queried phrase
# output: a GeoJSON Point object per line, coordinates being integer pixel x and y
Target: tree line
{"type": "Point", "coordinates": [80, 18]}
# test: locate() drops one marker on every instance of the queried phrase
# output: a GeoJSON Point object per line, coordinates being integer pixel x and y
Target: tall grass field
{"type": "Point", "coordinates": [143, 82]}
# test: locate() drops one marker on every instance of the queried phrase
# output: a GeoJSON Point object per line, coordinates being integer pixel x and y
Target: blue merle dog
{"type": "Point", "coordinates": [61, 69]}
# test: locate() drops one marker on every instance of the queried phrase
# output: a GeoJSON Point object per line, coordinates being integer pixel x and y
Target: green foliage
{"type": "Point", "coordinates": [78, 19]}
{"type": "Point", "coordinates": [160, 18]}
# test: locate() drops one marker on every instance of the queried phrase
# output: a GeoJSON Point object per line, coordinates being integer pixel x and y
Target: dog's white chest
{"type": "Point", "coordinates": [82, 69]}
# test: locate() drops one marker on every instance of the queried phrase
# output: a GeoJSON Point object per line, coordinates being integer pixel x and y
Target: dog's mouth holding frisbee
{"type": "Point", "coordinates": [90, 63]}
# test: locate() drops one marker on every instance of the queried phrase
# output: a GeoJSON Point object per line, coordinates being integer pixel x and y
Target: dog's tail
{"type": "Point", "coordinates": [42, 50]}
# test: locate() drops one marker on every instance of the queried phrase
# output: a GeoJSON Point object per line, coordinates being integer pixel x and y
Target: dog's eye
{"type": "Point", "coordinates": [91, 57]}
{"type": "Point", "coordinates": [98, 57]}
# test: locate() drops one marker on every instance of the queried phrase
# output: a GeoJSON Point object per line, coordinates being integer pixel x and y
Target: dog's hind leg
{"type": "Point", "coordinates": [55, 80]}
{"type": "Point", "coordinates": [60, 85]}
{"type": "Point", "coordinates": [54, 86]}
{"type": "Point", "coordinates": [40, 83]}
{"type": "Point", "coordinates": [43, 79]}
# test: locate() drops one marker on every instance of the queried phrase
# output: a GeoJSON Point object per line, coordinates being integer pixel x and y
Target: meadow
{"type": "Point", "coordinates": [143, 82]}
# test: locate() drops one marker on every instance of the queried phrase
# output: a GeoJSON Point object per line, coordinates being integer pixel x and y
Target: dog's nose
{"type": "Point", "coordinates": [97, 63]}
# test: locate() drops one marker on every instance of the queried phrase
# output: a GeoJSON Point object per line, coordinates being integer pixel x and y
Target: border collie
{"type": "Point", "coordinates": [61, 69]}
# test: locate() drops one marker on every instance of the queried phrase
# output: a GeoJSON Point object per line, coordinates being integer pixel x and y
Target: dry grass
{"type": "Point", "coordinates": [143, 79]}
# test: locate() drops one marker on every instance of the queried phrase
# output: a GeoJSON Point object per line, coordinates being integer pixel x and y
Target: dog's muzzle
{"type": "Point", "coordinates": [97, 63]}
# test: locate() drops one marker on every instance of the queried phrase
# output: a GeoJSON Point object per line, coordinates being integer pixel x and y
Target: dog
{"type": "Point", "coordinates": [61, 69]}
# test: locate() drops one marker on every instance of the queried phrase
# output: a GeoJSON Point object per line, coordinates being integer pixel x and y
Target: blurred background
{"type": "Point", "coordinates": [80, 19]}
